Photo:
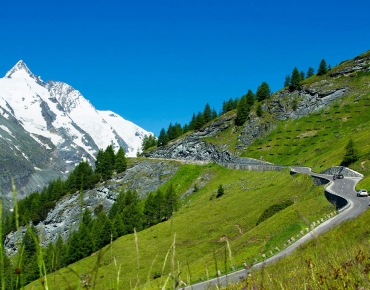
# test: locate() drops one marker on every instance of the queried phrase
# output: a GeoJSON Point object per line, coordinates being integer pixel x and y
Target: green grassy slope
{"type": "Point", "coordinates": [204, 227]}
{"type": "Point", "coordinates": [339, 259]}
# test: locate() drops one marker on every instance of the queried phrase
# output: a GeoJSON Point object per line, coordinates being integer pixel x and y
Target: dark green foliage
{"type": "Point", "coordinates": [296, 79]}
{"type": "Point", "coordinates": [250, 98]}
{"type": "Point", "coordinates": [259, 110]}
{"type": "Point", "coordinates": [229, 105]}
{"type": "Point", "coordinates": [275, 208]}
{"type": "Point", "coordinates": [263, 92]}
{"type": "Point", "coordinates": [106, 163]}
{"type": "Point", "coordinates": [148, 142]}
{"type": "Point", "coordinates": [302, 74]}
{"type": "Point", "coordinates": [322, 68]}
{"type": "Point", "coordinates": [220, 191]}
{"type": "Point", "coordinates": [351, 155]}
{"type": "Point", "coordinates": [29, 265]}
{"type": "Point", "coordinates": [120, 161]}
{"type": "Point", "coordinates": [101, 231]}
{"type": "Point", "coordinates": [288, 81]}
{"type": "Point", "coordinates": [310, 72]}
{"type": "Point", "coordinates": [207, 114]}
{"type": "Point", "coordinates": [163, 138]}
{"type": "Point", "coordinates": [7, 274]}
{"type": "Point", "coordinates": [174, 131]}
{"type": "Point", "coordinates": [242, 112]}
{"type": "Point", "coordinates": [171, 202]}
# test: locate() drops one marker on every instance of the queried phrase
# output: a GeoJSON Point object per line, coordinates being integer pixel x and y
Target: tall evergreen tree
{"type": "Point", "coordinates": [242, 112]}
{"type": "Point", "coordinates": [322, 68]}
{"type": "Point", "coordinates": [120, 160]}
{"type": "Point", "coordinates": [148, 141]}
{"type": "Point", "coordinates": [207, 114]}
{"type": "Point", "coordinates": [288, 80]}
{"type": "Point", "coordinates": [171, 202]}
{"type": "Point", "coordinates": [263, 92]}
{"type": "Point", "coordinates": [250, 97]}
{"type": "Point", "coordinates": [310, 72]}
{"type": "Point", "coordinates": [302, 75]}
{"type": "Point", "coordinates": [296, 79]}
{"type": "Point", "coordinates": [162, 138]}
{"type": "Point", "coordinates": [351, 155]}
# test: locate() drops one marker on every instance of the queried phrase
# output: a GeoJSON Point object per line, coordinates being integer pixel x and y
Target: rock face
{"type": "Point", "coordinates": [143, 177]}
{"type": "Point", "coordinates": [192, 147]}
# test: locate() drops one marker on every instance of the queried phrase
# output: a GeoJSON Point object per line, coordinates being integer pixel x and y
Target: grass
{"type": "Point", "coordinates": [210, 234]}
{"type": "Point", "coordinates": [338, 259]}
{"type": "Point", "coordinates": [318, 140]}
{"type": "Point", "coordinates": [206, 228]}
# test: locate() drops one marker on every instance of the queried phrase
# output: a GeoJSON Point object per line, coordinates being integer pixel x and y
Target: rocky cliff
{"type": "Point", "coordinates": [145, 176]}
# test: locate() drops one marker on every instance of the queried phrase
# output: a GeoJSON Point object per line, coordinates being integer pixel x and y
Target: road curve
{"type": "Point", "coordinates": [342, 187]}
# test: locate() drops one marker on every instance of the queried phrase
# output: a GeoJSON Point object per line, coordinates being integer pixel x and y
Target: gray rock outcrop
{"type": "Point", "coordinates": [145, 176]}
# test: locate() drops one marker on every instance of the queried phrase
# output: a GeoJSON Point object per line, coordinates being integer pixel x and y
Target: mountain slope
{"type": "Point", "coordinates": [63, 124]}
{"type": "Point", "coordinates": [209, 230]}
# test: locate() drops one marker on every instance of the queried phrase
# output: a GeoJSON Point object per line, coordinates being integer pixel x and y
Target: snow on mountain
{"type": "Point", "coordinates": [132, 133]}
{"type": "Point", "coordinates": [58, 112]}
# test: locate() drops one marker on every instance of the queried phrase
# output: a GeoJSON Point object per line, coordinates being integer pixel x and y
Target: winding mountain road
{"type": "Point", "coordinates": [342, 187]}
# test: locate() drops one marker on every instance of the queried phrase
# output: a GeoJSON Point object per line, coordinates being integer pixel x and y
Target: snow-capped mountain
{"type": "Point", "coordinates": [55, 118]}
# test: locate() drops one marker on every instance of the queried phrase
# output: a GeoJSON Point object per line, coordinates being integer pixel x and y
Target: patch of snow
{"type": "Point", "coordinates": [6, 130]}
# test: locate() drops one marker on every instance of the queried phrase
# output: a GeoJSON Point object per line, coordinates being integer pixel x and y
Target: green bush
{"type": "Point", "coordinates": [275, 208]}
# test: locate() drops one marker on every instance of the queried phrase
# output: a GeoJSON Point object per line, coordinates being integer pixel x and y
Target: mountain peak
{"type": "Point", "coordinates": [21, 66]}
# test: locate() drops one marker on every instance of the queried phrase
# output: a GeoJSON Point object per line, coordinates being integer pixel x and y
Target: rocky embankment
{"type": "Point", "coordinates": [144, 176]}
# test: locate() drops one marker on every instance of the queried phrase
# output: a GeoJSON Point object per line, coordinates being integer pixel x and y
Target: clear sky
{"type": "Point", "coordinates": [159, 61]}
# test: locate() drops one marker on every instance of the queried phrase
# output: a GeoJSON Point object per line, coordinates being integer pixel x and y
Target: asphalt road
{"type": "Point", "coordinates": [343, 187]}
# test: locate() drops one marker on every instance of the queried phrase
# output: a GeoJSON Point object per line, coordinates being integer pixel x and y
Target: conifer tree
{"type": "Point", "coordinates": [351, 155]}
{"type": "Point", "coordinates": [207, 114]}
{"type": "Point", "coordinates": [322, 68]}
{"type": "Point", "coordinates": [171, 202]}
{"type": "Point", "coordinates": [242, 112]}
{"type": "Point", "coordinates": [310, 72]}
{"type": "Point", "coordinates": [288, 80]}
{"type": "Point", "coordinates": [302, 74]}
{"type": "Point", "coordinates": [296, 79]}
{"type": "Point", "coordinates": [120, 161]}
{"type": "Point", "coordinates": [162, 138]}
{"type": "Point", "coordinates": [263, 92]}
{"type": "Point", "coordinates": [250, 97]}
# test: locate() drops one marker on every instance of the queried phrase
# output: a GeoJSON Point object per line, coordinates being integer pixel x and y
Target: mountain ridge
{"type": "Point", "coordinates": [60, 120]}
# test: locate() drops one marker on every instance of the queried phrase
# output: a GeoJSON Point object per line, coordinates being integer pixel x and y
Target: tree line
{"type": "Point", "coordinates": [243, 106]}
{"type": "Point", "coordinates": [294, 80]}
{"type": "Point", "coordinates": [36, 206]}
{"type": "Point", "coordinates": [127, 214]}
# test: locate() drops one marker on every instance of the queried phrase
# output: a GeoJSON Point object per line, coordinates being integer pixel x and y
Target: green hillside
{"type": "Point", "coordinates": [207, 226]}
{"type": "Point", "coordinates": [209, 232]}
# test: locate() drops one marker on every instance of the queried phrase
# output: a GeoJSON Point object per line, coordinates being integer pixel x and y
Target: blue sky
{"type": "Point", "coordinates": [156, 62]}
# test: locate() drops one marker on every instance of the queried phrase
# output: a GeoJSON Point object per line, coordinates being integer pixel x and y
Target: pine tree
{"type": "Point", "coordinates": [322, 68]}
{"type": "Point", "coordinates": [263, 92]}
{"type": "Point", "coordinates": [120, 161]}
{"type": "Point", "coordinates": [242, 112]}
{"type": "Point", "coordinates": [310, 72]}
{"type": "Point", "coordinates": [288, 80]}
{"type": "Point", "coordinates": [162, 138]}
{"type": "Point", "coordinates": [250, 97]}
{"type": "Point", "coordinates": [132, 215]}
{"type": "Point", "coordinates": [351, 155]}
{"type": "Point", "coordinates": [171, 202]}
{"type": "Point", "coordinates": [207, 114]}
{"type": "Point", "coordinates": [296, 79]}
{"type": "Point", "coordinates": [302, 74]}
